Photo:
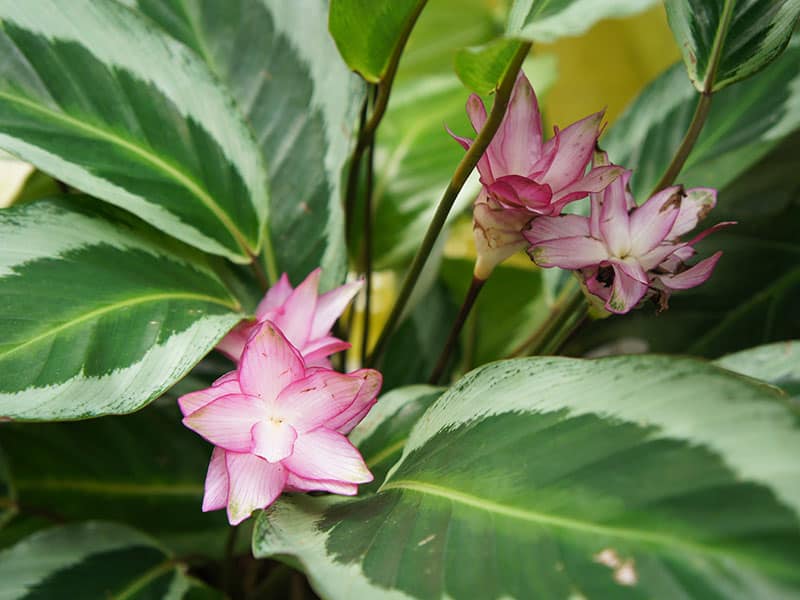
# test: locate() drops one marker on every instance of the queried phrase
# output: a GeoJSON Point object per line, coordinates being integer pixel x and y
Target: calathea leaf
{"type": "Point", "coordinates": [93, 95]}
{"type": "Point", "coordinates": [631, 477]}
{"type": "Point", "coordinates": [93, 560]}
{"type": "Point", "coordinates": [280, 64]}
{"type": "Point", "coordinates": [100, 314]}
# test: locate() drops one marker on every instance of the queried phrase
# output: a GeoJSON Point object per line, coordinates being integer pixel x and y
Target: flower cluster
{"type": "Point", "coordinates": [278, 421]}
{"type": "Point", "coordinates": [622, 253]}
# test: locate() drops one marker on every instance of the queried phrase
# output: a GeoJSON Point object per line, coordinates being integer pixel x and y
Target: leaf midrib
{"type": "Point", "coordinates": [548, 520]}
{"type": "Point", "coordinates": [162, 165]}
{"type": "Point", "coordinates": [112, 307]}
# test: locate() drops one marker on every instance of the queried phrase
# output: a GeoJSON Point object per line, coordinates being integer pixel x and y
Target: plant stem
{"type": "Point", "coordinates": [367, 128]}
{"type": "Point", "coordinates": [689, 139]}
{"type": "Point", "coordinates": [703, 103]}
{"type": "Point", "coordinates": [469, 300]}
{"type": "Point", "coordinates": [460, 175]}
{"type": "Point", "coordinates": [367, 262]}
{"type": "Point", "coordinates": [261, 275]}
{"type": "Point", "coordinates": [228, 564]}
{"type": "Point", "coordinates": [570, 300]}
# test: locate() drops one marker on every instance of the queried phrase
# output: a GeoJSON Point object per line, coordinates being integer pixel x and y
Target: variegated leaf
{"type": "Point", "coordinates": [93, 560]}
{"type": "Point", "coordinates": [632, 477]}
{"type": "Point", "coordinates": [92, 94]}
{"type": "Point", "coordinates": [301, 102]}
{"type": "Point", "coordinates": [100, 313]}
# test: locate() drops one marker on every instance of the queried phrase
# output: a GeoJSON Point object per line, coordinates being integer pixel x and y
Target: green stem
{"type": "Point", "coordinates": [570, 302]}
{"type": "Point", "coordinates": [472, 294]}
{"type": "Point", "coordinates": [688, 142]}
{"type": "Point", "coordinates": [367, 129]}
{"type": "Point", "coordinates": [367, 262]}
{"type": "Point", "coordinates": [260, 274]}
{"type": "Point", "coordinates": [703, 103]}
{"type": "Point", "coordinates": [460, 175]}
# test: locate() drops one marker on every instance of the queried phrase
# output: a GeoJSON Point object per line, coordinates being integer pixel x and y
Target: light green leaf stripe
{"type": "Point", "coordinates": [547, 20]}
{"type": "Point", "coordinates": [628, 477]}
{"type": "Point", "coordinates": [100, 313]}
{"type": "Point", "coordinates": [95, 96]}
{"type": "Point", "coordinates": [63, 562]}
{"type": "Point", "coordinates": [777, 363]}
{"type": "Point", "coordinates": [299, 99]}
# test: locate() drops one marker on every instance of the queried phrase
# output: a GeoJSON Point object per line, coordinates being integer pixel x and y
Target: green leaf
{"type": "Point", "coordinates": [100, 313]}
{"type": "Point", "coordinates": [413, 349]}
{"type": "Point", "coordinates": [724, 41]}
{"type": "Point", "coordinates": [382, 435]}
{"type": "Point", "coordinates": [631, 477]}
{"type": "Point", "coordinates": [301, 103]}
{"type": "Point", "coordinates": [91, 560]}
{"type": "Point", "coordinates": [548, 20]}
{"type": "Point", "coordinates": [510, 306]}
{"type": "Point", "coordinates": [481, 68]}
{"type": "Point", "coordinates": [144, 470]}
{"type": "Point", "coordinates": [368, 33]}
{"type": "Point", "coordinates": [745, 123]}
{"type": "Point", "coordinates": [96, 97]}
{"type": "Point", "coordinates": [779, 364]}
{"type": "Point", "coordinates": [752, 296]}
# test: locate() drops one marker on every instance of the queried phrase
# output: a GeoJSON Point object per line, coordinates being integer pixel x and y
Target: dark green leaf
{"type": "Point", "coordinates": [100, 313]}
{"type": "Point", "coordinates": [745, 123]}
{"type": "Point", "coordinates": [481, 68]}
{"type": "Point", "coordinates": [90, 560]}
{"type": "Point", "coordinates": [548, 20]}
{"type": "Point", "coordinates": [779, 364]}
{"type": "Point", "coordinates": [632, 477]}
{"type": "Point", "coordinates": [94, 96]}
{"type": "Point", "coordinates": [724, 41]}
{"type": "Point", "coordinates": [367, 33]}
{"type": "Point", "coordinates": [145, 470]}
{"type": "Point", "coordinates": [300, 100]}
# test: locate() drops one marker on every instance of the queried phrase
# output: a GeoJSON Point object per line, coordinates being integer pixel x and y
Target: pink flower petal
{"type": "Point", "coordinates": [651, 223]}
{"type": "Point", "coordinates": [630, 286]}
{"type": "Point", "coordinates": [273, 440]}
{"type": "Point", "coordinates": [704, 234]}
{"type": "Point", "coordinates": [477, 116]}
{"type": "Point", "coordinates": [227, 384]}
{"type": "Point", "coordinates": [233, 343]}
{"type": "Point", "coordinates": [326, 454]}
{"type": "Point", "coordinates": [596, 180]}
{"type": "Point", "coordinates": [694, 207]}
{"type": "Point", "coordinates": [497, 232]}
{"type": "Point", "coordinates": [365, 399]}
{"type": "Point", "coordinates": [318, 398]}
{"type": "Point", "coordinates": [517, 145]}
{"type": "Point", "coordinates": [269, 363]}
{"type": "Point", "coordinates": [297, 313]}
{"type": "Point", "coordinates": [330, 306]}
{"type": "Point", "coordinates": [575, 146]}
{"type": "Point", "coordinates": [516, 191]}
{"type": "Point", "coordinates": [254, 484]}
{"type": "Point", "coordinates": [216, 488]}
{"type": "Point", "coordinates": [693, 276]}
{"type": "Point", "coordinates": [463, 141]}
{"type": "Point", "coordinates": [543, 229]}
{"type": "Point", "coordinates": [274, 298]}
{"type": "Point", "coordinates": [227, 421]}
{"type": "Point", "coordinates": [295, 483]}
{"type": "Point", "coordinates": [614, 220]}
{"type": "Point", "coordinates": [569, 253]}
{"type": "Point", "coordinates": [317, 351]}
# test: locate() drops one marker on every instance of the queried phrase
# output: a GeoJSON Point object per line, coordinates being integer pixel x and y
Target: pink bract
{"type": "Point", "coordinates": [303, 315]}
{"type": "Point", "coordinates": [623, 252]}
{"type": "Point", "coordinates": [524, 177]}
{"type": "Point", "coordinates": [278, 424]}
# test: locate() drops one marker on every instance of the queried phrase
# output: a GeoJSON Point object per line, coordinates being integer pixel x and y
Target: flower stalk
{"type": "Point", "coordinates": [460, 175]}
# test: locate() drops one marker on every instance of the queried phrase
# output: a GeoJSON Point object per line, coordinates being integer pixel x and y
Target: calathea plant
{"type": "Point", "coordinates": [275, 324]}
